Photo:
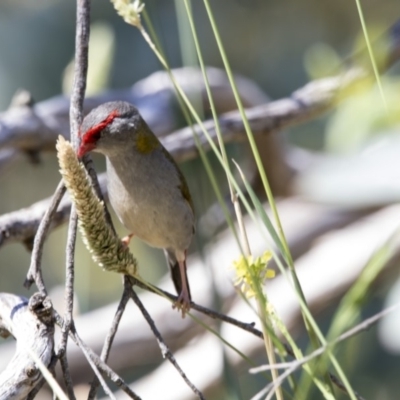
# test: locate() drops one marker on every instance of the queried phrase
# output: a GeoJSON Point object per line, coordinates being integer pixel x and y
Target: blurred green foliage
{"type": "Point", "coordinates": [265, 40]}
{"type": "Point", "coordinates": [280, 45]}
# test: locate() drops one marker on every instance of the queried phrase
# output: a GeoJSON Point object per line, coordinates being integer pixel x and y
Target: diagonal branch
{"type": "Point", "coordinates": [302, 105]}
{"type": "Point", "coordinates": [96, 363]}
{"type": "Point", "coordinates": [292, 366]}
{"type": "Point", "coordinates": [38, 127]}
{"type": "Point", "coordinates": [35, 272]}
{"type": "Point", "coordinates": [21, 225]}
{"type": "Point", "coordinates": [305, 104]}
{"type": "Point", "coordinates": [249, 327]}
{"type": "Point", "coordinates": [165, 351]}
{"type": "Point", "coordinates": [112, 332]}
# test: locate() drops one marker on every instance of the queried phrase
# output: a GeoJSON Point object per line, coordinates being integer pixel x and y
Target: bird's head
{"type": "Point", "coordinates": [109, 127]}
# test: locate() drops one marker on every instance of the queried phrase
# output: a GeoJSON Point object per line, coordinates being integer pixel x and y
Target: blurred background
{"type": "Point", "coordinates": [280, 46]}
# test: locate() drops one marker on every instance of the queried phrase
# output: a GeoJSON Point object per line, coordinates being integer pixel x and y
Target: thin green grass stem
{"type": "Point", "coordinates": [234, 198]}
{"type": "Point", "coordinates": [260, 167]}
{"type": "Point", "coordinates": [371, 54]}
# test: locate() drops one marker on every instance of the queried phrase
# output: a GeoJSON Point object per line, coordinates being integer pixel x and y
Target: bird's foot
{"type": "Point", "coordinates": [126, 240]}
{"type": "Point", "coordinates": [183, 303]}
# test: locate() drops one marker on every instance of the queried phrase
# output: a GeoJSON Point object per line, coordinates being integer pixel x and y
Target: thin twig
{"type": "Point", "coordinates": [95, 362]}
{"type": "Point", "coordinates": [70, 272]}
{"type": "Point", "coordinates": [72, 332]}
{"type": "Point", "coordinates": [362, 326]}
{"type": "Point", "coordinates": [339, 384]}
{"type": "Point", "coordinates": [249, 327]}
{"type": "Point", "coordinates": [80, 68]}
{"type": "Point", "coordinates": [37, 388]}
{"type": "Point", "coordinates": [112, 332]}
{"type": "Point", "coordinates": [76, 117]}
{"type": "Point", "coordinates": [89, 357]}
{"type": "Point", "coordinates": [165, 351]}
{"type": "Point", "coordinates": [79, 87]}
{"type": "Point", "coordinates": [69, 302]}
{"type": "Point", "coordinates": [66, 375]}
{"type": "Point", "coordinates": [87, 160]}
{"type": "Point", "coordinates": [35, 271]}
{"type": "Point", "coordinates": [103, 368]}
{"type": "Point", "coordinates": [294, 365]}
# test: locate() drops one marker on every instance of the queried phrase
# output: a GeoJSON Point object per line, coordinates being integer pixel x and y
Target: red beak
{"type": "Point", "coordinates": [85, 148]}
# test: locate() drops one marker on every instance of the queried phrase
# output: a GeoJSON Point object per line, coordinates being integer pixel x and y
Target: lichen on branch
{"type": "Point", "coordinates": [105, 246]}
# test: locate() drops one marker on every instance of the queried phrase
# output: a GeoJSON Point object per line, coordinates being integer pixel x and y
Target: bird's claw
{"type": "Point", "coordinates": [182, 303]}
{"type": "Point", "coordinates": [126, 239]}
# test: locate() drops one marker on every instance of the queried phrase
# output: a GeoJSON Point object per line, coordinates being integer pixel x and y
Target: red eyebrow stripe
{"type": "Point", "coordinates": [91, 135]}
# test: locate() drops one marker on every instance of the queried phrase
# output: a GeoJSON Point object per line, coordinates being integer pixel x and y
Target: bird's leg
{"type": "Point", "coordinates": [183, 302]}
{"type": "Point", "coordinates": [125, 240]}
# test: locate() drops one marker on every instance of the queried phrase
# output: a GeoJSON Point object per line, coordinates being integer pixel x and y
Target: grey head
{"type": "Point", "coordinates": [109, 128]}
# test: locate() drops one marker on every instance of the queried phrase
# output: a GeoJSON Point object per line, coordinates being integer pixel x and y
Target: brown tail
{"type": "Point", "coordinates": [177, 279]}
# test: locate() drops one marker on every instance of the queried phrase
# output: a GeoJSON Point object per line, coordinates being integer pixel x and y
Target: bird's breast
{"type": "Point", "coordinates": [147, 198]}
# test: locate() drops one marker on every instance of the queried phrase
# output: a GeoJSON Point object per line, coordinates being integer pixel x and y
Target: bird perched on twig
{"type": "Point", "coordinates": [146, 188]}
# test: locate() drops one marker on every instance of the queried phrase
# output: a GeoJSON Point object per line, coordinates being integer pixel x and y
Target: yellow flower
{"type": "Point", "coordinates": [250, 272]}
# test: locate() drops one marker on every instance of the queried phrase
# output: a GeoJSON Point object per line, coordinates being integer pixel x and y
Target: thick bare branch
{"type": "Point", "coordinates": [20, 130]}
{"type": "Point", "coordinates": [31, 324]}
{"type": "Point", "coordinates": [37, 127]}
{"type": "Point", "coordinates": [302, 105]}
{"type": "Point", "coordinates": [21, 225]}
{"type": "Point", "coordinates": [156, 89]}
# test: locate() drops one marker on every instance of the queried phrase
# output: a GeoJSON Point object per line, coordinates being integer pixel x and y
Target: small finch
{"type": "Point", "coordinates": [146, 188]}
